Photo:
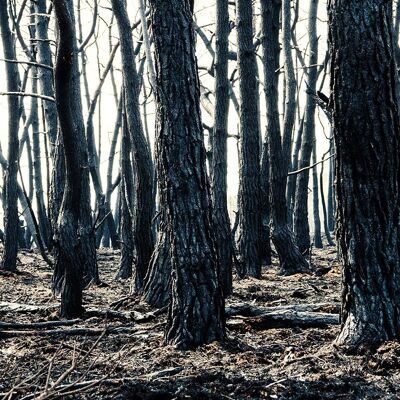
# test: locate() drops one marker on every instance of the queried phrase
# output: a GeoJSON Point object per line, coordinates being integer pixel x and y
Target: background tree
{"type": "Point", "coordinates": [249, 197]}
{"type": "Point", "coordinates": [219, 166]}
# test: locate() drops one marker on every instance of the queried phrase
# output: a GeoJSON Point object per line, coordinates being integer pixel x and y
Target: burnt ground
{"type": "Point", "coordinates": [253, 363]}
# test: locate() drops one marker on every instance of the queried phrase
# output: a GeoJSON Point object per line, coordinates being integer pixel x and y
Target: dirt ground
{"type": "Point", "coordinates": [130, 362]}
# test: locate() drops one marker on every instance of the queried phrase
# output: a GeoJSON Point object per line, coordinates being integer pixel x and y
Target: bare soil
{"type": "Point", "coordinates": [289, 363]}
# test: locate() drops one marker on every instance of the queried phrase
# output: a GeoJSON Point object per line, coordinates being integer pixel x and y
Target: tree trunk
{"type": "Point", "coordinates": [11, 221]}
{"type": "Point", "coordinates": [249, 155]}
{"type": "Point", "coordinates": [143, 165]}
{"type": "Point", "coordinates": [291, 261]}
{"type": "Point", "coordinates": [196, 310]}
{"type": "Point", "coordinates": [367, 136]}
{"type": "Point", "coordinates": [68, 246]}
{"type": "Point", "coordinates": [219, 167]}
{"type": "Point", "coordinates": [301, 223]}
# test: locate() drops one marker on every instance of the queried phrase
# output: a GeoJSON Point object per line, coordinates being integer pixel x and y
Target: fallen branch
{"type": "Point", "coordinates": [248, 310]}
{"type": "Point", "coordinates": [287, 319]}
{"type": "Point", "coordinates": [38, 325]}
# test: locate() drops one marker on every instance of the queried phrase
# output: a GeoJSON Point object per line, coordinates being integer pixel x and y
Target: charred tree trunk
{"type": "Point", "coordinates": [143, 165]}
{"type": "Point", "coordinates": [68, 246]}
{"type": "Point", "coordinates": [11, 221]}
{"type": "Point", "coordinates": [301, 222]}
{"type": "Point", "coordinates": [249, 156]}
{"type": "Point", "coordinates": [219, 167]}
{"type": "Point", "coordinates": [367, 136]}
{"type": "Point", "coordinates": [291, 261]}
{"type": "Point", "coordinates": [196, 310]}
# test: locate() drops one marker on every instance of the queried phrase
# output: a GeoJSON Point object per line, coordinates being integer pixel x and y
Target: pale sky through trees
{"type": "Point", "coordinates": [205, 19]}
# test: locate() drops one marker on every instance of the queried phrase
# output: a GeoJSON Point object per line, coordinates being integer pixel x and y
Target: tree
{"type": "Point", "coordinates": [291, 260]}
{"type": "Point", "coordinates": [301, 223]}
{"type": "Point", "coordinates": [196, 310]}
{"type": "Point", "coordinates": [68, 246]}
{"type": "Point", "coordinates": [367, 137]}
{"type": "Point", "coordinates": [87, 231]}
{"type": "Point", "coordinates": [249, 154]}
{"type": "Point", "coordinates": [143, 164]}
{"type": "Point", "coordinates": [11, 221]}
{"type": "Point", "coordinates": [219, 167]}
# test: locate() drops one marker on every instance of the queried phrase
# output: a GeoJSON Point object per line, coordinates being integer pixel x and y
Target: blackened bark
{"type": "Point", "coordinates": [219, 167]}
{"type": "Point", "coordinates": [301, 223]}
{"type": "Point", "coordinates": [68, 246]}
{"type": "Point", "coordinates": [196, 310]}
{"type": "Point", "coordinates": [291, 261]}
{"type": "Point", "coordinates": [367, 136]}
{"type": "Point", "coordinates": [249, 198]}
{"type": "Point", "coordinates": [11, 221]}
{"type": "Point", "coordinates": [143, 165]}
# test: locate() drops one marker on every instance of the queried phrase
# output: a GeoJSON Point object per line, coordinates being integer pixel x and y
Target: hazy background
{"type": "Point", "coordinates": [106, 110]}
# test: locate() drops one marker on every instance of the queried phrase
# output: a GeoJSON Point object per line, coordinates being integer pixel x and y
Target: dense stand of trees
{"type": "Point", "coordinates": [166, 199]}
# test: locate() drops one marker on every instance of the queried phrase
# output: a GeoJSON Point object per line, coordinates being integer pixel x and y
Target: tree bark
{"type": "Point", "coordinates": [249, 196]}
{"type": "Point", "coordinates": [11, 220]}
{"type": "Point", "coordinates": [367, 136]}
{"type": "Point", "coordinates": [196, 309]}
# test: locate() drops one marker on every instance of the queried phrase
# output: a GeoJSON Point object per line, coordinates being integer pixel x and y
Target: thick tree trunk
{"type": "Point", "coordinates": [219, 167]}
{"type": "Point", "coordinates": [249, 197]}
{"type": "Point", "coordinates": [68, 246]}
{"type": "Point", "coordinates": [11, 221]}
{"type": "Point", "coordinates": [196, 310]}
{"type": "Point", "coordinates": [143, 165]}
{"type": "Point", "coordinates": [301, 222]}
{"type": "Point", "coordinates": [367, 136]}
{"type": "Point", "coordinates": [291, 261]}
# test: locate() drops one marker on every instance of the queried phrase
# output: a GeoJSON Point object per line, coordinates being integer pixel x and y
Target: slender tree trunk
{"type": "Point", "coordinates": [301, 222]}
{"type": "Point", "coordinates": [143, 165]}
{"type": "Point", "coordinates": [323, 203]}
{"type": "Point", "coordinates": [68, 245]}
{"type": "Point", "coordinates": [219, 167]}
{"type": "Point", "coordinates": [196, 310]}
{"type": "Point", "coordinates": [11, 221]}
{"type": "Point", "coordinates": [249, 156]}
{"type": "Point", "coordinates": [291, 261]}
{"type": "Point", "coordinates": [367, 136]}
{"type": "Point", "coordinates": [331, 191]}
{"type": "Point", "coordinates": [317, 220]}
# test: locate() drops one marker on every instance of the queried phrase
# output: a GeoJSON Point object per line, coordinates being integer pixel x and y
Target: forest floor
{"type": "Point", "coordinates": [121, 356]}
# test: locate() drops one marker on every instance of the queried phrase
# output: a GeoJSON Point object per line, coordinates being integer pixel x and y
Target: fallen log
{"type": "Point", "coordinates": [286, 319]}
{"type": "Point", "coordinates": [38, 325]}
{"type": "Point", "coordinates": [68, 332]}
{"type": "Point", "coordinates": [25, 308]}
{"type": "Point", "coordinates": [249, 310]}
